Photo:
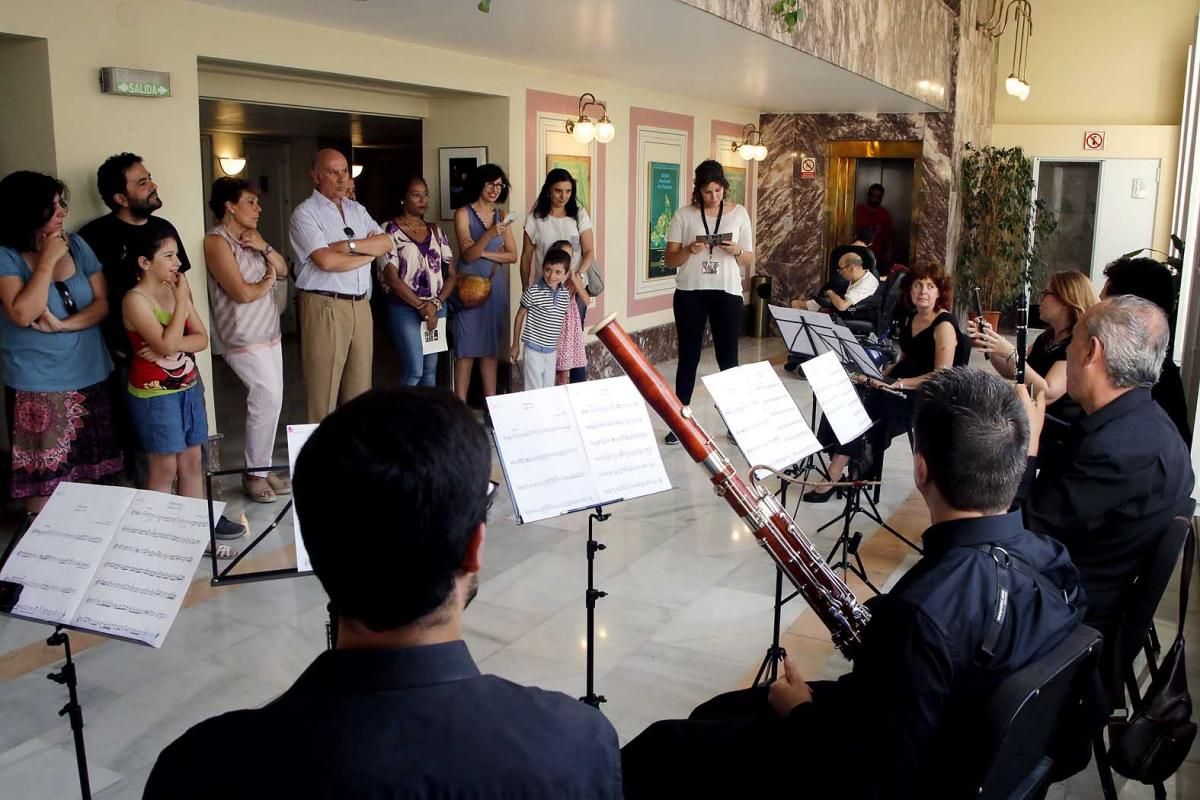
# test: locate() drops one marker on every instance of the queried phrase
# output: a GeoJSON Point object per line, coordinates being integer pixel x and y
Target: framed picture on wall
{"type": "Point", "coordinates": [455, 165]}
{"type": "Point", "coordinates": [737, 184]}
{"type": "Point", "coordinates": [662, 195]}
{"type": "Point", "coordinates": [580, 168]}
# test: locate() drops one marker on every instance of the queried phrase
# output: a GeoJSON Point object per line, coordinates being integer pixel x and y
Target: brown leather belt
{"type": "Point", "coordinates": [336, 295]}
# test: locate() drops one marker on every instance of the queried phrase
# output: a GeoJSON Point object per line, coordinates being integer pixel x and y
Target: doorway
{"type": "Point", "coordinates": [854, 168]}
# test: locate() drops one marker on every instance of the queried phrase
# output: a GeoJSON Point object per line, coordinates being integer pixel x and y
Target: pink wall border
{"type": "Point", "coordinates": [553, 103]}
{"type": "Point", "coordinates": [720, 128]}
{"type": "Point", "coordinates": [653, 119]}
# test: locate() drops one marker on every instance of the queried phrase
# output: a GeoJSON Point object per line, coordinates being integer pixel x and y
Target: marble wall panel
{"type": "Point", "coordinates": [904, 45]}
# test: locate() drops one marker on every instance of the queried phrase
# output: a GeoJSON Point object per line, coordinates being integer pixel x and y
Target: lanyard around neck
{"type": "Point", "coordinates": [717, 228]}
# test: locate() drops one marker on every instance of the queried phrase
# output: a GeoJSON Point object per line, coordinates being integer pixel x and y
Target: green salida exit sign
{"type": "Point", "coordinates": [135, 82]}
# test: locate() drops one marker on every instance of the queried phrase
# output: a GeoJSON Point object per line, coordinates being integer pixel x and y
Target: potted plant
{"type": "Point", "coordinates": [1003, 228]}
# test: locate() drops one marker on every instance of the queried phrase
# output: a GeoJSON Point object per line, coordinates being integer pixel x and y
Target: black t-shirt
{"type": "Point", "coordinates": [1044, 354]}
{"type": "Point", "coordinates": [109, 238]}
{"type": "Point", "coordinates": [919, 350]}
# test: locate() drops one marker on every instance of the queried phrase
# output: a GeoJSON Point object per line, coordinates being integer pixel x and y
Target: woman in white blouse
{"type": "Point", "coordinates": [708, 281]}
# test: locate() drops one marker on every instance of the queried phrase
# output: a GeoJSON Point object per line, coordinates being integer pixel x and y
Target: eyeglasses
{"type": "Point", "coordinates": [348, 231]}
{"type": "Point", "coordinates": [498, 185]}
{"type": "Point", "coordinates": [67, 299]}
{"type": "Point", "coordinates": [1047, 293]}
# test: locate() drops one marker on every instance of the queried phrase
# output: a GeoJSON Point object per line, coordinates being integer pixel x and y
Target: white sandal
{"type": "Point", "coordinates": [224, 552]}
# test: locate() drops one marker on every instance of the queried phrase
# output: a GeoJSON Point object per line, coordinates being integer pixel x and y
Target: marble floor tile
{"type": "Point", "coordinates": [37, 768]}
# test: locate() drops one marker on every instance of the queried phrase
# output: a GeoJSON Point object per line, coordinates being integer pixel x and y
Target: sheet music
{"type": "Point", "coordinates": [141, 581]}
{"type": "Point", "coordinates": [545, 465]}
{"type": "Point", "coordinates": [110, 559]}
{"type": "Point", "coordinates": [297, 435]}
{"type": "Point", "coordinates": [761, 415]}
{"type": "Point", "coordinates": [565, 448]}
{"type": "Point", "coordinates": [800, 328]}
{"type": "Point", "coordinates": [618, 439]}
{"type": "Point", "coordinates": [434, 341]}
{"type": "Point", "coordinates": [837, 397]}
{"type": "Point", "coordinates": [854, 352]}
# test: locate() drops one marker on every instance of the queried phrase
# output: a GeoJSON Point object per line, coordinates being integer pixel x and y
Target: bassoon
{"type": "Point", "coordinates": [774, 529]}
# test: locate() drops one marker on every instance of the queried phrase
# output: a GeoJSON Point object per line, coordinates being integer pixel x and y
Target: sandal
{"type": "Point", "coordinates": [224, 552]}
{"type": "Point", "coordinates": [258, 489]}
{"type": "Point", "coordinates": [280, 484]}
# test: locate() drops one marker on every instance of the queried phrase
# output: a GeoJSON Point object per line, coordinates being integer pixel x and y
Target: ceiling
{"type": "Point", "coordinates": [662, 45]}
{"type": "Point", "coordinates": [252, 119]}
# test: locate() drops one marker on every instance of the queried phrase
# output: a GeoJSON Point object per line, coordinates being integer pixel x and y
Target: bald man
{"type": "Point", "coordinates": [862, 285]}
{"type": "Point", "coordinates": [334, 240]}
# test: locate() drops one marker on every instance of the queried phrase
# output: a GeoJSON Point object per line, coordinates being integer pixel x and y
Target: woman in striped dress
{"type": "Point", "coordinates": [244, 269]}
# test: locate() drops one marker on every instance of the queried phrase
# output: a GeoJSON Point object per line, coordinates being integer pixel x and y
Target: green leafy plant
{"type": "Point", "coordinates": [1004, 230]}
{"type": "Point", "coordinates": [788, 12]}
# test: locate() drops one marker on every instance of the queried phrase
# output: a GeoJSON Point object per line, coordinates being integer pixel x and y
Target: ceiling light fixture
{"type": "Point", "coordinates": [584, 130]}
{"type": "Point", "coordinates": [231, 165]}
{"type": "Point", "coordinates": [995, 25]}
{"type": "Point", "coordinates": [751, 147]}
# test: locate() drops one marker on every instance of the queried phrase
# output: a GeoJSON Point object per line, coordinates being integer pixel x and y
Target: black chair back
{"type": "Point", "coordinates": [1016, 727]}
{"type": "Point", "coordinates": [887, 308]}
{"type": "Point", "coordinates": [962, 348]}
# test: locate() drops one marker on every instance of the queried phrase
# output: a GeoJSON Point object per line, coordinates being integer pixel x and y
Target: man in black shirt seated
{"type": "Point", "coordinates": [1124, 472]}
{"type": "Point", "coordinates": [1151, 280]}
{"type": "Point", "coordinates": [899, 724]}
{"type": "Point", "coordinates": [399, 709]}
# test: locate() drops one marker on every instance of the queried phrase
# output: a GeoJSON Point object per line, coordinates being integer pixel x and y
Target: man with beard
{"type": "Point", "coordinates": [399, 708]}
{"type": "Point", "coordinates": [128, 189]}
{"type": "Point", "coordinates": [872, 214]}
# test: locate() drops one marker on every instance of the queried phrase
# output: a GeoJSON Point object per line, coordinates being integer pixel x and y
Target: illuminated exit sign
{"type": "Point", "coordinates": [135, 82]}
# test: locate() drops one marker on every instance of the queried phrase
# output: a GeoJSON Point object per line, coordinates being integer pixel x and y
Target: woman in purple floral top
{"type": "Point", "coordinates": [417, 277]}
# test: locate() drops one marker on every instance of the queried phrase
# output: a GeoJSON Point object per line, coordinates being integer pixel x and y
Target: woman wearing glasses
{"type": "Point", "coordinates": [1067, 295]}
{"type": "Point", "coordinates": [52, 357]}
{"type": "Point", "coordinates": [484, 243]}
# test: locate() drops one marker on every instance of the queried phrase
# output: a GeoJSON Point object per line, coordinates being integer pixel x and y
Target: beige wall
{"type": "Point", "coordinates": [1121, 141]}
{"type": "Point", "coordinates": [27, 137]}
{"type": "Point", "coordinates": [175, 36]}
{"type": "Point", "coordinates": [1109, 62]}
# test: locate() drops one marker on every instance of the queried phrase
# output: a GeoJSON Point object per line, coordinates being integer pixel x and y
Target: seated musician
{"type": "Point", "coordinates": [898, 724]}
{"type": "Point", "coordinates": [861, 285]}
{"type": "Point", "coordinates": [929, 341]}
{"type": "Point", "coordinates": [1067, 295]}
{"type": "Point", "coordinates": [1126, 471]}
{"type": "Point", "coordinates": [399, 709]}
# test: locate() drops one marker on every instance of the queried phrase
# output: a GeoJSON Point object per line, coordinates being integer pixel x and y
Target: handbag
{"type": "Point", "coordinates": [474, 290]}
{"type": "Point", "coordinates": [1153, 743]}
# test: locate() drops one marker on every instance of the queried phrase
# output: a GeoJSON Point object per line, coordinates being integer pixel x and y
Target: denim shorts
{"type": "Point", "coordinates": [170, 423]}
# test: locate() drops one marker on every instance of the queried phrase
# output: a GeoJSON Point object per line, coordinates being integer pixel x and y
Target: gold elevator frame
{"type": "Point", "coordinates": [841, 173]}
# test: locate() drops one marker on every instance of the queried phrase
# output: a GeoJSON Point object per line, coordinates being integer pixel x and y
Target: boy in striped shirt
{"type": "Point", "coordinates": [543, 307]}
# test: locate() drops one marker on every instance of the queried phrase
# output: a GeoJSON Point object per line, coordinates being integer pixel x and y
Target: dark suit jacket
{"type": "Point", "coordinates": [1123, 474]}
{"type": "Point", "coordinates": [414, 723]}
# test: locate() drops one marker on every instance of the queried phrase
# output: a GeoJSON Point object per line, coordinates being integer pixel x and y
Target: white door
{"type": "Point", "coordinates": [1124, 210]}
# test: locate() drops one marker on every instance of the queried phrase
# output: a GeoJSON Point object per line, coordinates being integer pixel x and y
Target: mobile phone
{"type": "Point", "coordinates": [511, 218]}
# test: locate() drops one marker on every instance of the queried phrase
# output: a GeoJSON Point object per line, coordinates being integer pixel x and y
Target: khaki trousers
{"type": "Point", "coordinates": [336, 351]}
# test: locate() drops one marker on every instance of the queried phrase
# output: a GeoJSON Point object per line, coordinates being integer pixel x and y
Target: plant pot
{"type": "Point", "coordinates": [992, 318]}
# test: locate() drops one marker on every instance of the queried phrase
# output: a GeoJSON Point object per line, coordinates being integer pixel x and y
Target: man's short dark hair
{"type": "Point", "coordinates": [110, 178]}
{"type": "Point", "coordinates": [556, 256]}
{"type": "Point", "coordinates": [388, 490]}
{"type": "Point", "coordinates": [973, 433]}
{"type": "Point", "coordinates": [876, 187]}
{"type": "Point", "coordinates": [1144, 278]}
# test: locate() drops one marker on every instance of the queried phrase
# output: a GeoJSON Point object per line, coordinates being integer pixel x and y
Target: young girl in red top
{"type": "Point", "coordinates": [165, 394]}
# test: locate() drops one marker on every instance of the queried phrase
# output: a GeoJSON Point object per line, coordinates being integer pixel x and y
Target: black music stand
{"type": "Point", "coordinates": [769, 669]}
{"type": "Point", "coordinates": [590, 597]}
{"type": "Point", "coordinates": [224, 577]}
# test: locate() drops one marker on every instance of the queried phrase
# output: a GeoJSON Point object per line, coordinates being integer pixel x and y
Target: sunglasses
{"type": "Point", "coordinates": [348, 231]}
{"type": "Point", "coordinates": [67, 299]}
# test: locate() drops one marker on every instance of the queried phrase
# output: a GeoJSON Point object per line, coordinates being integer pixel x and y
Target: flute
{"type": "Point", "coordinates": [774, 529]}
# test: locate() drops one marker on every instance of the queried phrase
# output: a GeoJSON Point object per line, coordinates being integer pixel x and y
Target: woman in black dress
{"type": "Point", "coordinates": [928, 342]}
{"type": "Point", "coordinates": [1067, 295]}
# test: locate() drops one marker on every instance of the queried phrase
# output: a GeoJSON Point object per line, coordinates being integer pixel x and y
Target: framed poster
{"type": "Point", "coordinates": [455, 165]}
{"type": "Point", "coordinates": [662, 193]}
{"type": "Point", "coordinates": [737, 184]}
{"type": "Point", "coordinates": [580, 168]}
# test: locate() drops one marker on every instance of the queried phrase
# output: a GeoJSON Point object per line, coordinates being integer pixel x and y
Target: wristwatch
{"type": "Point", "coordinates": [268, 251]}
{"type": "Point", "coordinates": [352, 245]}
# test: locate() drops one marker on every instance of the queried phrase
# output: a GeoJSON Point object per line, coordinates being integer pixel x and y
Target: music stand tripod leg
{"type": "Point", "coordinates": [775, 653]}
{"type": "Point", "coordinates": [590, 597]}
{"type": "Point", "coordinates": [72, 710]}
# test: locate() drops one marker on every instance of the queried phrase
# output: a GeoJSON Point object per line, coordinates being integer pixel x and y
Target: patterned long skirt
{"type": "Point", "coordinates": [61, 436]}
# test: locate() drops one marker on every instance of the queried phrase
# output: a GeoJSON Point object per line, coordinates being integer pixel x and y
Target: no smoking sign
{"type": "Point", "coordinates": [1093, 140]}
{"type": "Point", "coordinates": [808, 167]}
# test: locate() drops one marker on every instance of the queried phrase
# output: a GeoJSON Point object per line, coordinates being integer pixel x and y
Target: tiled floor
{"type": "Point", "coordinates": [688, 615]}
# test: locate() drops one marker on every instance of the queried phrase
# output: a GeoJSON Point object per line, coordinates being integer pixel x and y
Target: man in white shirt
{"type": "Point", "coordinates": [862, 285]}
{"type": "Point", "coordinates": [335, 241]}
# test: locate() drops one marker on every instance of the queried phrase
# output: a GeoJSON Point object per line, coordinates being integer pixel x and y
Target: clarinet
{"type": "Point", "coordinates": [773, 528]}
{"type": "Point", "coordinates": [1022, 329]}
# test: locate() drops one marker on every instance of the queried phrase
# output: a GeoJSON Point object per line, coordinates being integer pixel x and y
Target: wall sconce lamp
{"type": "Point", "coordinates": [995, 25]}
{"type": "Point", "coordinates": [584, 130]}
{"type": "Point", "coordinates": [751, 147]}
{"type": "Point", "coordinates": [356, 170]}
{"type": "Point", "coordinates": [232, 166]}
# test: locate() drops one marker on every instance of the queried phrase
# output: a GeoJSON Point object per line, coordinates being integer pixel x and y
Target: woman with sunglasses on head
{"type": "Point", "coordinates": [53, 361]}
{"type": "Point", "coordinates": [485, 242]}
{"type": "Point", "coordinates": [1067, 295]}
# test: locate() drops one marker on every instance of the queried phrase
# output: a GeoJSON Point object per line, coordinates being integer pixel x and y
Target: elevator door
{"type": "Point", "coordinates": [896, 177]}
